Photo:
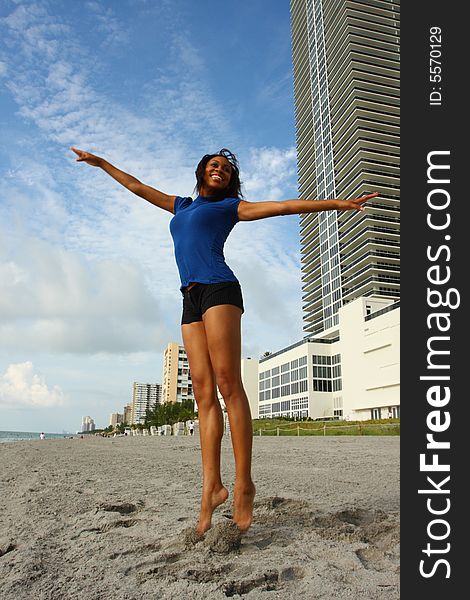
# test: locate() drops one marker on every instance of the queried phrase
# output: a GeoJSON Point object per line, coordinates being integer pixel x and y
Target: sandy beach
{"type": "Point", "coordinates": [113, 519]}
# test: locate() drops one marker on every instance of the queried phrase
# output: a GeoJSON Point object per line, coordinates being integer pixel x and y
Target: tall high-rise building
{"type": "Point", "coordinates": [88, 424]}
{"type": "Point", "coordinates": [116, 419]}
{"type": "Point", "coordinates": [127, 419]}
{"type": "Point", "coordinates": [346, 87]}
{"type": "Point", "coordinates": [177, 385]}
{"type": "Point", "coordinates": [144, 397]}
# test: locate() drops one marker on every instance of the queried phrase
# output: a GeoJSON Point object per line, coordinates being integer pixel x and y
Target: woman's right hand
{"type": "Point", "coordinates": [128, 181]}
{"type": "Point", "coordinates": [90, 159]}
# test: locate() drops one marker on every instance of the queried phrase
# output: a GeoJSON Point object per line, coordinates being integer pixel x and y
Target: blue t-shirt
{"type": "Point", "coordinates": [199, 230]}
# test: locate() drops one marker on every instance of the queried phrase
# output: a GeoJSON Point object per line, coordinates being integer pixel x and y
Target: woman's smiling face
{"type": "Point", "coordinates": [217, 176]}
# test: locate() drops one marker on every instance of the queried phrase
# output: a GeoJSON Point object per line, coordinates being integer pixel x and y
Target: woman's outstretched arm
{"type": "Point", "coordinates": [251, 211]}
{"type": "Point", "coordinates": [128, 181]}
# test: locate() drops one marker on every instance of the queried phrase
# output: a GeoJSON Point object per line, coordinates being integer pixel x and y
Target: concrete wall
{"type": "Point", "coordinates": [249, 371]}
{"type": "Point", "coordinates": [370, 359]}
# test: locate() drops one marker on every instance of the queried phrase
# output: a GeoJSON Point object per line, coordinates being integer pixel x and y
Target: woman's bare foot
{"type": "Point", "coordinates": [243, 497]}
{"type": "Point", "coordinates": [209, 502]}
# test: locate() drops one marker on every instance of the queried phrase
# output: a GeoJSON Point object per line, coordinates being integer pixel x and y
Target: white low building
{"type": "Point", "coordinates": [249, 373]}
{"type": "Point", "coordinates": [370, 357]}
{"type": "Point", "coordinates": [353, 374]}
{"type": "Point", "coordinates": [286, 381]}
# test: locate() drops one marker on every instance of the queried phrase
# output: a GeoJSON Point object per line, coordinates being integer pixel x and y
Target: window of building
{"type": "Point", "coordinates": [376, 413]}
{"type": "Point", "coordinates": [336, 385]}
{"type": "Point", "coordinates": [327, 385]}
{"type": "Point", "coordinates": [264, 409]}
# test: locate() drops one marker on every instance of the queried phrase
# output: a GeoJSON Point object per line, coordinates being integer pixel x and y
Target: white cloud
{"type": "Point", "coordinates": [21, 386]}
{"type": "Point", "coordinates": [56, 301]}
{"type": "Point", "coordinates": [269, 172]}
{"type": "Point", "coordinates": [108, 24]}
{"type": "Point", "coordinates": [53, 89]}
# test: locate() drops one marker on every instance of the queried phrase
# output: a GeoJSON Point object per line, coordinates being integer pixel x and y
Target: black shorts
{"type": "Point", "coordinates": [202, 296]}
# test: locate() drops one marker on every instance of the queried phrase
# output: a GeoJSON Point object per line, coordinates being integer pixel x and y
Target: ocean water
{"type": "Point", "coordinates": [19, 436]}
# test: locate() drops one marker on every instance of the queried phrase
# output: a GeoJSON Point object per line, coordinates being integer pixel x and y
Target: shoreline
{"type": "Point", "coordinates": [31, 436]}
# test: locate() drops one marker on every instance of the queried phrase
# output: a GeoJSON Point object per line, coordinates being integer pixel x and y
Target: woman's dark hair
{"type": "Point", "coordinates": [233, 190]}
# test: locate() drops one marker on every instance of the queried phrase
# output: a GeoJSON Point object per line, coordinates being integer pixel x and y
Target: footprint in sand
{"type": "Point", "coordinates": [6, 546]}
{"type": "Point", "coordinates": [123, 508]}
{"type": "Point", "coordinates": [267, 581]}
{"type": "Point", "coordinates": [123, 523]}
{"type": "Point", "coordinates": [379, 530]}
{"type": "Point", "coordinates": [282, 511]}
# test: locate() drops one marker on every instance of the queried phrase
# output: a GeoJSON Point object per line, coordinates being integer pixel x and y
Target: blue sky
{"type": "Point", "coordinates": [89, 287]}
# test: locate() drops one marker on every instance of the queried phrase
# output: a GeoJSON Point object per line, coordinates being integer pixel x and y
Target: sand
{"type": "Point", "coordinates": [114, 518]}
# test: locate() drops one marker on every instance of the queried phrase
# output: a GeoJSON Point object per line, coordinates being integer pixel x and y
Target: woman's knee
{"type": "Point", "coordinates": [228, 382]}
{"type": "Point", "coordinates": [204, 389]}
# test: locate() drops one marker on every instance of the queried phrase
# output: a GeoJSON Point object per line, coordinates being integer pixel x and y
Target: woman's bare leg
{"type": "Point", "coordinates": [222, 326]}
{"type": "Point", "coordinates": [211, 424]}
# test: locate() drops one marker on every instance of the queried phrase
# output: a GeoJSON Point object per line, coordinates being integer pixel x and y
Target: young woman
{"type": "Point", "coordinates": [212, 310]}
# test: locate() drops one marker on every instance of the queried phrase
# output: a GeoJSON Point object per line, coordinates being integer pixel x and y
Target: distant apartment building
{"type": "Point", "coordinates": [176, 379]}
{"type": "Point", "coordinates": [116, 419]}
{"type": "Point", "coordinates": [88, 424]}
{"type": "Point", "coordinates": [127, 419]}
{"type": "Point", "coordinates": [352, 376]}
{"type": "Point", "coordinates": [144, 397]}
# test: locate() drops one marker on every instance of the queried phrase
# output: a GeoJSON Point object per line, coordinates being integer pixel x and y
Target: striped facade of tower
{"type": "Point", "coordinates": [177, 384]}
{"type": "Point", "coordinates": [144, 397]}
{"type": "Point", "coordinates": [347, 89]}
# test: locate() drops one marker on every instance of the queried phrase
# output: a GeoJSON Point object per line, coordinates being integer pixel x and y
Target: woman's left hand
{"type": "Point", "coordinates": [355, 204]}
